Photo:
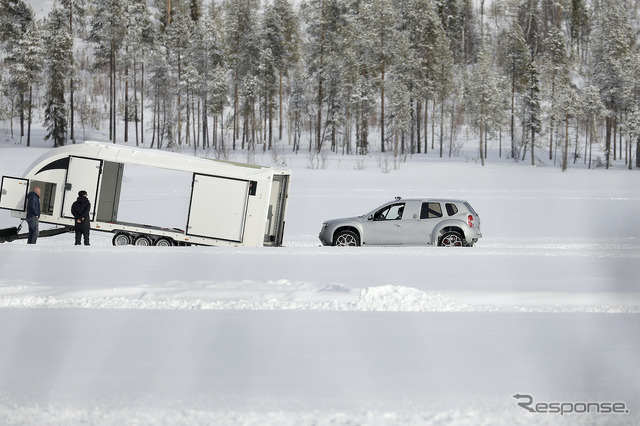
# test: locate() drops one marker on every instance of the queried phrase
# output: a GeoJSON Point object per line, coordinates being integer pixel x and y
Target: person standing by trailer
{"type": "Point", "coordinates": [80, 211]}
{"type": "Point", "coordinates": [33, 215]}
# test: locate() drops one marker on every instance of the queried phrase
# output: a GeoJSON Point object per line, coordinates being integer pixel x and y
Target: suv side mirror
{"type": "Point", "coordinates": [370, 217]}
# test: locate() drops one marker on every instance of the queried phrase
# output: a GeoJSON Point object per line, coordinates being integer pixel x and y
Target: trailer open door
{"type": "Point", "coordinates": [13, 193]}
{"type": "Point", "coordinates": [83, 174]}
{"type": "Point", "coordinates": [274, 231]}
{"type": "Point", "coordinates": [209, 216]}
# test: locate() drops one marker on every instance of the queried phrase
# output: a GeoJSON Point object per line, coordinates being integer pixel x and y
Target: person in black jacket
{"type": "Point", "coordinates": [33, 215]}
{"type": "Point", "coordinates": [80, 211]}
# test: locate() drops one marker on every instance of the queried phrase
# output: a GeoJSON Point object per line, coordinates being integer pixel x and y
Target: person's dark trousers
{"type": "Point", "coordinates": [82, 233]}
{"type": "Point", "coordinates": [33, 223]}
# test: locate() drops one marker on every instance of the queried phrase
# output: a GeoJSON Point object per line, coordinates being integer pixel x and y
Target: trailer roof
{"type": "Point", "coordinates": [147, 157]}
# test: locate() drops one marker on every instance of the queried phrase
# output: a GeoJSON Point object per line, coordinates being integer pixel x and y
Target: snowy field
{"type": "Point", "coordinates": [547, 304]}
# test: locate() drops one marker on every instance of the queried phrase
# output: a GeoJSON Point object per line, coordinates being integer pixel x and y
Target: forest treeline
{"type": "Point", "coordinates": [537, 77]}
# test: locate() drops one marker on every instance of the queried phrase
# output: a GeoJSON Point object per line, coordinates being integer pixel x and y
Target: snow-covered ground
{"type": "Point", "coordinates": [547, 304]}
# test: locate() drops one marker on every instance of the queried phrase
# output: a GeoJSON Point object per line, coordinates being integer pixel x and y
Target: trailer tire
{"type": "Point", "coordinates": [164, 242]}
{"type": "Point", "coordinates": [121, 239]}
{"type": "Point", "coordinates": [142, 240]}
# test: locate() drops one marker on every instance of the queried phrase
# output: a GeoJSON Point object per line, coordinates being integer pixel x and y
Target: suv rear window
{"type": "Point", "coordinates": [430, 210]}
{"type": "Point", "coordinates": [451, 209]}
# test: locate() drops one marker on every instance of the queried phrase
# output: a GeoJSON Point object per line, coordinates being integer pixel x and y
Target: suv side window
{"type": "Point", "coordinates": [392, 212]}
{"type": "Point", "coordinates": [451, 209]}
{"type": "Point", "coordinates": [430, 211]}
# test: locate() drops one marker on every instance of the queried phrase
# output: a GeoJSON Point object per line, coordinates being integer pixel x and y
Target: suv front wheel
{"type": "Point", "coordinates": [346, 238]}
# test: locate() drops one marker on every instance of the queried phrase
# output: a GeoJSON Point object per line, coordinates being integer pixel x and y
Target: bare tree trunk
{"type": "Point", "coordinates": [153, 134]}
{"type": "Point", "coordinates": [280, 110]}
{"type": "Point", "coordinates": [135, 102]}
{"type": "Point", "coordinates": [533, 147]}
{"type": "Point", "coordinates": [29, 118]}
{"type": "Point", "coordinates": [426, 125]}
{"type": "Point", "coordinates": [608, 141]}
{"type": "Point", "coordinates": [319, 123]}
{"type": "Point", "coordinates": [615, 137]}
{"type": "Point", "coordinates": [126, 104]}
{"type": "Point", "coordinates": [270, 110]}
{"type": "Point", "coordinates": [142, 103]}
{"type": "Point", "coordinates": [442, 125]}
{"type": "Point", "coordinates": [111, 83]}
{"type": "Point", "coordinates": [71, 124]}
{"type": "Point", "coordinates": [481, 131]}
{"type": "Point", "coordinates": [179, 106]}
{"type": "Point", "coordinates": [433, 125]}
{"type": "Point", "coordinates": [565, 150]}
{"type": "Point", "coordinates": [575, 154]}
{"type": "Point", "coordinates": [418, 129]}
{"type": "Point", "coordinates": [552, 120]}
{"type": "Point", "coordinates": [453, 111]}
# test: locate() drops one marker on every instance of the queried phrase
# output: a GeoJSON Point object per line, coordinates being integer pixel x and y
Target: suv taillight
{"type": "Point", "coordinates": [470, 221]}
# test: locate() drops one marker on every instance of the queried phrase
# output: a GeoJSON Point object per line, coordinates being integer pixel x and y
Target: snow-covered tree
{"type": "Point", "coordinates": [26, 59]}
{"type": "Point", "coordinates": [106, 33]}
{"type": "Point", "coordinates": [593, 111]}
{"type": "Point", "coordinates": [532, 123]}
{"type": "Point", "coordinates": [281, 34]}
{"type": "Point", "coordinates": [15, 19]}
{"type": "Point", "coordinates": [516, 66]}
{"type": "Point", "coordinates": [58, 58]}
{"type": "Point", "coordinates": [76, 10]}
{"type": "Point", "coordinates": [484, 97]}
{"type": "Point", "coordinates": [136, 46]}
{"type": "Point", "coordinates": [555, 69]}
{"type": "Point", "coordinates": [567, 106]}
{"type": "Point", "coordinates": [207, 54]}
{"type": "Point", "coordinates": [613, 55]}
{"type": "Point", "coordinates": [242, 48]}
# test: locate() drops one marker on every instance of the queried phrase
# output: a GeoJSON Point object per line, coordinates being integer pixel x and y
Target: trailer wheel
{"type": "Point", "coordinates": [164, 242]}
{"type": "Point", "coordinates": [142, 240]}
{"type": "Point", "coordinates": [121, 239]}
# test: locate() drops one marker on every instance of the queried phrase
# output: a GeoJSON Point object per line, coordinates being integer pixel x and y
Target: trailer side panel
{"type": "Point", "coordinates": [218, 207]}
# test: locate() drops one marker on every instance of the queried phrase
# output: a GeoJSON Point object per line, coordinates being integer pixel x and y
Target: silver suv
{"type": "Point", "coordinates": [422, 221]}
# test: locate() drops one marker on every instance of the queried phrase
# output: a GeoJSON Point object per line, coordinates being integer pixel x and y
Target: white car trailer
{"type": "Point", "coordinates": [230, 204]}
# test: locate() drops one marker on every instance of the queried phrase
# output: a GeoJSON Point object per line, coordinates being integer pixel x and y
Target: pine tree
{"type": "Point", "coordinates": [179, 39]}
{"type": "Point", "coordinates": [281, 34]}
{"type": "Point", "coordinates": [242, 50]}
{"type": "Point", "coordinates": [26, 61]}
{"type": "Point", "coordinates": [555, 69]}
{"type": "Point", "coordinates": [76, 10]}
{"type": "Point", "coordinates": [567, 106]}
{"type": "Point", "coordinates": [593, 111]}
{"type": "Point", "coordinates": [517, 62]}
{"type": "Point", "coordinates": [612, 55]}
{"type": "Point", "coordinates": [107, 31]}
{"type": "Point", "coordinates": [15, 19]}
{"type": "Point", "coordinates": [59, 51]}
{"type": "Point", "coordinates": [532, 122]}
{"type": "Point", "coordinates": [206, 55]}
{"type": "Point", "coordinates": [136, 46]}
{"type": "Point", "coordinates": [484, 98]}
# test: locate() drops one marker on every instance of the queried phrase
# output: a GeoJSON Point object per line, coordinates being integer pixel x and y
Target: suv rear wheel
{"type": "Point", "coordinates": [451, 239]}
